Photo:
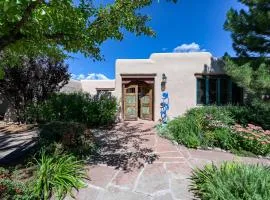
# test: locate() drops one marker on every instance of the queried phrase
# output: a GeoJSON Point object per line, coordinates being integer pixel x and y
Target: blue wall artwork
{"type": "Point", "coordinates": [164, 107]}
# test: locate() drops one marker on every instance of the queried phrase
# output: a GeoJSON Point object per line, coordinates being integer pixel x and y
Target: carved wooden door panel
{"type": "Point", "coordinates": [131, 102]}
{"type": "Point", "coordinates": [146, 103]}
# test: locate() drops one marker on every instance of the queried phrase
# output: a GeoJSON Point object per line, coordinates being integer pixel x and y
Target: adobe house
{"type": "Point", "coordinates": [168, 84]}
{"type": "Point", "coordinates": [189, 80]}
{"type": "Point", "coordinates": [164, 86]}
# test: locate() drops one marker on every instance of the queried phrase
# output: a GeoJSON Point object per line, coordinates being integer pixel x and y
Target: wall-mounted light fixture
{"type": "Point", "coordinates": [163, 82]}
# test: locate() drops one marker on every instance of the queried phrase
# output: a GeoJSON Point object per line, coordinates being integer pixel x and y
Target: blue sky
{"type": "Point", "coordinates": [196, 23]}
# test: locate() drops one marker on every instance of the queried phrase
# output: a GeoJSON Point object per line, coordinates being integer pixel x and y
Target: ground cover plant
{"type": "Point", "coordinates": [233, 181]}
{"type": "Point", "coordinates": [221, 127]}
{"type": "Point", "coordinates": [10, 188]}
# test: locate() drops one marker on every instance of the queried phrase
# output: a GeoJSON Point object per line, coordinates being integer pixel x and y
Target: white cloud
{"type": "Point", "coordinates": [92, 76]}
{"type": "Point", "coordinates": [81, 77]}
{"type": "Point", "coordinates": [73, 76]}
{"type": "Point", "coordinates": [95, 76]}
{"type": "Point", "coordinates": [193, 47]}
{"type": "Point", "coordinates": [78, 76]}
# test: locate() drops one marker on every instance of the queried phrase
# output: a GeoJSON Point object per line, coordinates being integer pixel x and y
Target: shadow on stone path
{"type": "Point", "coordinates": [135, 163]}
{"type": "Point", "coordinates": [14, 145]}
{"type": "Point", "coordinates": [127, 146]}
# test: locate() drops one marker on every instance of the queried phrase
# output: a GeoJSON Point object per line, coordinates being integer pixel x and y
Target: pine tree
{"type": "Point", "coordinates": [250, 32]}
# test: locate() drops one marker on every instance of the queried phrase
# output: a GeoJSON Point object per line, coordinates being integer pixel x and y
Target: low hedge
{"type": "Point", "coordinates": [97, 110]}
{"type": "Point", "coordinates": [233, 181]}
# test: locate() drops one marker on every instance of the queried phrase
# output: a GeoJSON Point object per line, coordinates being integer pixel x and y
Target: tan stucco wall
{"type": "Point", "coordinates": [72, 86]}
{"type": "Point", "coordinates": [91, 86]}
{"type": "Point", "coordinates": [179, 69]}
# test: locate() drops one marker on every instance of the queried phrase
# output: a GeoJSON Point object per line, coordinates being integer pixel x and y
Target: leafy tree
{"type": "Point", "coordinates": [54, 28]}
{"type": "Point", "coordinates": [32, 82]}
{"type": "Point", "coordinates": [250, 31]}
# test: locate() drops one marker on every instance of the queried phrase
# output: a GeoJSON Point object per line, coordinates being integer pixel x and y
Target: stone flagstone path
{"type": "Point", "coordinates": [136, 164]}
{"type": "Point", "coordinates": [15, 145]}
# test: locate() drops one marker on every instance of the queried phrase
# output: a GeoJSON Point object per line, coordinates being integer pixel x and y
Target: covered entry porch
{"type": "Point", "coordinates": [138, 96]}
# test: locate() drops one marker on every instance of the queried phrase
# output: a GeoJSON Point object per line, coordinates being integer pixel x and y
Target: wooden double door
{"type": "Point", "coordinates": [138, 101]}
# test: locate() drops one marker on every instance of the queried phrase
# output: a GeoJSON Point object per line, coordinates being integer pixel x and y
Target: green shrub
{"type": "Point", "coordinates": [57, 175]}
{"type": "Point", "coordinates": [56, 131]}
{"type": "Point", "coordinates": [240, 114]}
{"type": "Point", "coordinates": [231, 181]}
{"type": "Point", "coordinates": [260, 113]}
{"type": "Point", "coordinates": [253, 146]}
{"type": "Point", "coordinates": [220, 137]}
{"type": "Point", "coordinates": [252, 138]}
{"type": "Point", "coordinates": [213, 126]}
{"type": "Point", "coordinates": [83, 108]}
{"type": "Point", "coordinates": [214, 113]}
{"type": "Point", "coordinates": [231, 114]}
{"type": "Point", "coordinates": [224, 139]}
{"type": "Point", "coordinates": [186, 130]}
{"type": "Point", "coordinates": [72, 137]}
{"type": "Point", "coordinates": [196, 127]}
{"type": "Point", "coordinates": [257, 113]}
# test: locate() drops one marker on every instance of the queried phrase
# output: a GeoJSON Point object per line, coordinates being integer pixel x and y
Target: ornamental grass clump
{"type": "Point", "coordinates": [57, 175]}
{"type": "Point", "coordinates": [233, 181]}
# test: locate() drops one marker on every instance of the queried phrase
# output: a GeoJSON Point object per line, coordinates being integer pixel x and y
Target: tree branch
{"type": "Point", "coordinates": [15, 34]}
{"type": "Point", "coordinates": [28, 11]}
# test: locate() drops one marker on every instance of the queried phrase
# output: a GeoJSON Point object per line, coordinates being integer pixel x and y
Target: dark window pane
{"type": "Point", "coordinates": [212, 91]}
{"type": "Point", "coordinates": [224, 92]}
{"type": "Point", "coordinates": [200, 91]}
{"type": "Point", "coordinates": [237, 94]}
